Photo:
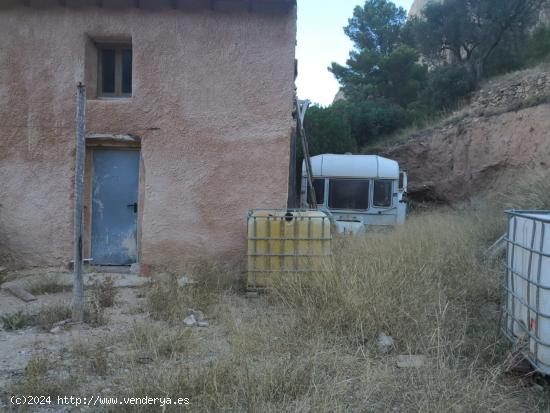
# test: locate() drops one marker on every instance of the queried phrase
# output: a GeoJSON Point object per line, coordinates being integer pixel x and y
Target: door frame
{"type": "Point", "coordinates": [93, 145]}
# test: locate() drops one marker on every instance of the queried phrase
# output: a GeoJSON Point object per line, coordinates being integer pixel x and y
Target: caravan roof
{"type": "Point", "coordinates": [354, 166]}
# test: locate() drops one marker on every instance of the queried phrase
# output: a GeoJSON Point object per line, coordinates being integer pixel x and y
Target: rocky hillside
{"type": "Point", "coordinates": [504, 131]}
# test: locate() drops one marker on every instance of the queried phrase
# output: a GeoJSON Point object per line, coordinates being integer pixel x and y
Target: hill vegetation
{"type": "Point", "coordinates": [403, 72]}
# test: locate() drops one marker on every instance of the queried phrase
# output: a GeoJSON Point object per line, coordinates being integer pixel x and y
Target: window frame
{"type": "Point", "coordinates": [329, 184]}
{"type": "Point", "coordinates": [119, 50]}
{"type": "Point", "coordinates": [324, 181]}
{"type": "Point", "coordinates": [391, 182]}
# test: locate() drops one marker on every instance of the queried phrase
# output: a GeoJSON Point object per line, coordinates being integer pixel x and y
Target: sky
{"type": "Point", "coordinates": [321, 41]}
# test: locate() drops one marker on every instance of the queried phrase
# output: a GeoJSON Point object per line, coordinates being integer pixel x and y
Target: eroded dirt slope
{"type": "Point", "coordinates": [504, 132]}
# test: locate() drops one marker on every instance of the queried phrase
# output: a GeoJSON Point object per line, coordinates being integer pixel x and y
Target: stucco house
{"type": "Point", "coordinates": [188, 122]}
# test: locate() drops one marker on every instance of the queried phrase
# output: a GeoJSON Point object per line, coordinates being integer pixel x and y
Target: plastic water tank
{"type": "Point", "coordinates": [286, 242]}
{"type": "Point", "coordinates": [527, 307]}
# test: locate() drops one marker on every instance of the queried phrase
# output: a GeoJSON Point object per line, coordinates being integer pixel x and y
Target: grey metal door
{"type": "Point", "coordinates": [114, 206]}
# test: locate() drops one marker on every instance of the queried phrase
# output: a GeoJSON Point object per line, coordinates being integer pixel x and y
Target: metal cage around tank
{"type": "Point", "coordinates": [284, 243]}
{"type": "Point", "coordinates": [527, 304]}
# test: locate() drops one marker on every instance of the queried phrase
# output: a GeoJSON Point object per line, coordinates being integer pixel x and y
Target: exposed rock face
{"type": "Point", "coordinates": [502, 133]}
{"type": "Point", "coordinates": [418, 6]}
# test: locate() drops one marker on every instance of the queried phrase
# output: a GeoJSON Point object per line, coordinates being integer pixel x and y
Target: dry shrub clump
{"type": "Point", "coordinates": [104, 293]}
{"type": "Point", "coordinates": [290, 383]}
{"type": "Point", "coordinates": [154, 341]}
{"type": "Point", "coordinates": [47, 284]}
{"type": "Point", "coordinates": [48, 315]}
{"type": "Point", "coordinates": [14, 321]}
{"type": "Point", "coordinates": [168, 301]}
{"type": "Point", "coordinates": [40, 380]}
{"type": "Point", "coordinates": [528, 191]}
{"type": "Point", "coordinates": [427, 285]}
{"type": "Point", "coordinates": [93, 355]}
{"type": "Point", "coordinates": [422, 284]}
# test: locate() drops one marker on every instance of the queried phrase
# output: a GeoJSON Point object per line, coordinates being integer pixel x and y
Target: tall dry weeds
{"type": "Point", "coordinates": [421, 283]}
{"type": "Point", "coordinates": [311, 345]}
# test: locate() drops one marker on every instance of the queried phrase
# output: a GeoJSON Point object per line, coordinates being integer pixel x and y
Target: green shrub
{"type": "Point", "coordinates": [447, 85]}
{"type": "Point", "coordinates": [327, 131]}
{"type": "Point", "coordinates": [14, 321]}
{"type": "Point", "coordinates": [539, 44]}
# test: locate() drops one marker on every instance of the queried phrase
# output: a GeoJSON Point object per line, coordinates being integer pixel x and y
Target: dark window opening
{"type": "Point", "coordinates": [115, 70]}
{"type": "Point", "coordinates": [382, 193]}
{"type": "Point", "coordinates": [108, 70]}
{"type": "Point", "coordinates": [127, 71]}
{"type": "Point", "coordinates": [319, 187]}
{"type": "Point", "coordinates": [348, 194]}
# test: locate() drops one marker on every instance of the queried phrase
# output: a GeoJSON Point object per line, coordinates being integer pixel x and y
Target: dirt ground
{"type": "Point", "coordinates": [74, 351]}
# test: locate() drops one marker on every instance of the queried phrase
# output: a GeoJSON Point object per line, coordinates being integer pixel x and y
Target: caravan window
{"type": "Point", "coordinates": [382, 193]}
{"type": "Point", "coordinates": [319, 186]}
{"type": "Point", "coordinates": [348, 194]}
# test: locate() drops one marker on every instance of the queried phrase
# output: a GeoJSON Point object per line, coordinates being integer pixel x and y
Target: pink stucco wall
{"type": "Point", "coordinates": [212, 101]}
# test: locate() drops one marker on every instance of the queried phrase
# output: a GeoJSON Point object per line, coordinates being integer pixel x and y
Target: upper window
{"type": "Point", "coordinates": [348, 194]}
{"type": "Point", "coordinates": [319, 186]}
{"type": "Point", "coordinates": [382, 193]}
{"type": "Point", "coordinates": [115, 70]}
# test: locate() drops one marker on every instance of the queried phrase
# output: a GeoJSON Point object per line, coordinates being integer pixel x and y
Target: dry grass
{"type": "Point", "coordinates": [46, 284]}
{"type": "Point", "coordinates": [311, 345]}
{"type": "Point", "coordinates": [154, 341]}
{"type": "Point", "coordinates": [14, 321]}
{"type": "Point", "coordinates": [48, 315]}
{"type": "Point", "coordinates": [170, 302]}
{"type": "Point", "coordinates": [104, 293]}
{"type": "Point", "coordinates": [420, 283]}
{"type": "Point", "coordinates": [41, 380]}
{"type": "Point", "coordinates": [93, 355]}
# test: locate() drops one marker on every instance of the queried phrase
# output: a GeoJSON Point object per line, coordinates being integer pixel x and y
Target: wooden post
{"type": "Point", "coordinates": [301, 109]}
{"type": "Point", "coordinates": [291, 203]}
{"type": "Point", "coordinates": [78, 288]}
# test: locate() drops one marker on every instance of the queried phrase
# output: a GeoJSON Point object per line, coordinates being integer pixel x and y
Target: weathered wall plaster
{"type": "Point", "coordinates": [212, 102]}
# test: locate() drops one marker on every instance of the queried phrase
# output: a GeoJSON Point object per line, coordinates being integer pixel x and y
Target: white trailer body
{"type": "Point", "coordinates": [357, 191]}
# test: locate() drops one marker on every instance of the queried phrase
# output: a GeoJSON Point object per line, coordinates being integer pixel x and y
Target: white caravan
{"type": "Point", "coordinates": [357, 190]}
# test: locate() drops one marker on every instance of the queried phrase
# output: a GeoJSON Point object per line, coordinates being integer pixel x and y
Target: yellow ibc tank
{"type": "Point", "coordinates": [285, 242]}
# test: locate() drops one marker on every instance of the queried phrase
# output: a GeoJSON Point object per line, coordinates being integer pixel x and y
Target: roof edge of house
{"type": "Point", "coordinates": [265, 6]}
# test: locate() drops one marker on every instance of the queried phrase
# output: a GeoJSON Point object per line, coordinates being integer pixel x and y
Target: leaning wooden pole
{"type": "Point", "coordinates": [301, 109]}
{"type": "Point", "coordinates": [78, 287]}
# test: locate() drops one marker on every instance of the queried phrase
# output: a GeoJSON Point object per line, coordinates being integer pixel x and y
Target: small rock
{"type": "Point", "coordinates": [198, 314]}
{"type": "Point", "coordinates": [537, 387]}
{"type": "Point", "coordinates": [144, 359]}
{"type": "Point", "coordinates": [56, 330]}
{"type": "Point", "coordinates": [384, 342]}
{"type": "Point", "coordinates": [190, 320]}
{"type": "Point", "coordinates": [203, 324]}
{"type": "Point", "coordinates": [183, 281]}
{"type": "Point", "coordinates": [408, 361]}
{"type": "Point", "coordinates": [62, 323]}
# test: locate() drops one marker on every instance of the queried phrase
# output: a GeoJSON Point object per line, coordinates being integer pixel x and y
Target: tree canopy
{"type": "Point", "coordinates": [469, 31]}
{"type": "Point", "coordinates": [380, 66]}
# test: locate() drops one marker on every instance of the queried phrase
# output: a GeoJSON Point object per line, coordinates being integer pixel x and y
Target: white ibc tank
{"type": "Point", "coordinates": [527, 308]}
